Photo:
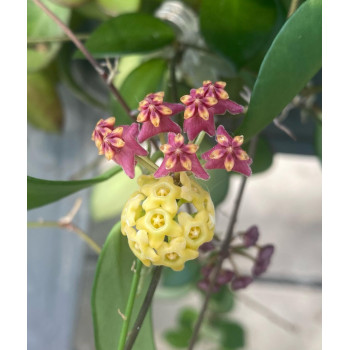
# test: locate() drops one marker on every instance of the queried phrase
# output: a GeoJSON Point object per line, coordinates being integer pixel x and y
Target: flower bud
{"type": "Point", "coordinates": [263, 259]}
{"type": "Point", "coordinates": [241, 282]}
{"type": "Point", "coordinates": [251, 236]}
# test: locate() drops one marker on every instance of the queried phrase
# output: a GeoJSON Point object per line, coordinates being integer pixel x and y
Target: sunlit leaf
{"type": "Point", "coordinates": [108, 198]}
{"type": "Point", "coordinates": [41, 192]}
{"type": "Point", "coordinates": [44, 109]}
{"type": "Point", "coordinates": [146, 78]}
{"type": "Point", "coordinates": [129, 33]}
{"type": "Point", "coordinates": [292, 60]}
{"type": "Point", "coordinates": [40, 25]}
{"type": "Point", "coordinates": [117, 7]}
{"type": "Point", "coordinates": [111, 291]}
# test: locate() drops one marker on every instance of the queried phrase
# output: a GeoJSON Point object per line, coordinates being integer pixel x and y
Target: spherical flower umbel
{"type": "Point", "coordinates": [180, 157]}
{"type": "Point", "coordinates": [158, 233]}
{"type": "Point", "coordinates": [118, 144]}
{"type": "Point", "coordinates": [155, 116]}
{"type": "Point", "coordinates": [228, 154]}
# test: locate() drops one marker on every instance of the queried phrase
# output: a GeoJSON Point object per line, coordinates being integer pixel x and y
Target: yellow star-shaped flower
{"type": "Point", "coordinates": [158, 223]}
{"type": "Point", "coordinates": [195, 229]}
{"type": "Point", "coordinates": [139, 244]}
{"type": "Point", "coordinates": [163, 194]}
{"type": "Point", "coordinates": [131, 211]}
{"type": "Point", "coordinates": [174, 254]}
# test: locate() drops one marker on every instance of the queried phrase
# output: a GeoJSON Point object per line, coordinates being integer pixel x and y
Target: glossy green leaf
{"type": "Point", "coordinates": [129, 34]}
{"type": "Point", "coordinates": [44, 109]}
{"type": "Point", "coordinates": [146, 78]}
{"type": "Point", "coordinates": [188, 275]}
{"type": "Point", "coordinates": [238, 29]}
{"type": "Point", "coordinates": [117, 7]}
{"type": "Point", "coordinates": [108, 198]}
{"type": "Point", "coordinates": [41, 192]}
{"type": "Point", "coordinates": [318, 140]}
{"type": "Point", "coordinates": [110, 292]}
{"type": "Point", "coordinates": [40, 25]}
{"type": "Point", "coordinates": [292, 60]}
{"type": "Point", "coordinates": [232, 334]}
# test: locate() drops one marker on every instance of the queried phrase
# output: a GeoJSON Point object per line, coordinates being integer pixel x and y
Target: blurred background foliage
{"type": "Point", "coordinates": [153, 45]}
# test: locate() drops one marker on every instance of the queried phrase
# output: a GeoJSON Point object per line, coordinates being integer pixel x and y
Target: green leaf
{"type": "Point", "coordinates": [40, 25]}
{"type": "Point", "coordinates": [110, 292]}
{"type": "Point", "coordinates": [70, 3]}
{"type": "Point", "coordinates": [41, 192]}
{"type": "Point", "coordinates": [44, 106]}
{"type": "Point", "coordinates": [263, 157]}
{"type": "Point", "coordinates": [232, 334]}
{"type": "Point", "coordinates": [129, 34]}
{"type": "Point", "coordinates": [146, 78]}
{"type": "Point", "coordinates": [109, 197]}
{"type": "Point", "coordinates": [117, 7]}
{"type": "Point", "coordinates": [188, 275]}
{"type": "Point", "coordinates": [222, 301]}
{"type": "Point", "coordinates": [292, 60]}
{"type": "Point", "coordinates": [188, 317]}
{"type": "Point", "coordinates": [178, 338]}
{"type": "Point", "coordinates": [318, 141]}
{"type": "Point", "coordinates": [238, 29]}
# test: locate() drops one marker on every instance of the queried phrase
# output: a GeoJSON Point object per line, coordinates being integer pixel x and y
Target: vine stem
{"type": "Point", "coordinates": [223, 251]}
{"type": "Point", "coordinates": [103, 74]}
{"type": "Point", "coordinates": [69, 227]}
{"type": "Point", "coordinates": [55, 39]}
{"type": "Point", "coordinates": [130, 305]}
{"type": "Point", "coordinates": [144, 309]}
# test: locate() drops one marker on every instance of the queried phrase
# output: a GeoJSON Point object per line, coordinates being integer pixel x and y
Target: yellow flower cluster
{"type": "Point", "coordinates": [158, 231]}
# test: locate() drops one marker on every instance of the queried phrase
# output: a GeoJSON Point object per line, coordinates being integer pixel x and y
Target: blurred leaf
{"type": "Point", "coordinates": [146, 78]}
{"type": "Point", "coordinates": [70, 3]}
{"type": "Point", "coordinates": [44, 107]}
{"type": "Point", "coordinates": [126, 65]}
{"type": "Point", "coordinates": [318, 141]}
{"type": "Point", "coordinates": [109, 197]}
{"type": "Point", "coordinates": [111, 291]}
{"type": "Point", "coordinates": [91, 10]}
{"type": "Point", "coordinates": [222, 301]}
{"type": "Point", "coordinates": [128, 34]}
{"type": "Point", "coordinates": [40, 25]}
{"type": "Point", "coordinates": [64, 65]}
{"type": "Point", "coordinates": [238, 29]}
{"type": "Point", "coordinates": [232, 334]}
{"type": "Point", "coordinates": [116, 7]}
{"type": "Point", "coordinates": [188, 275]}
{"type": "Point", "coordinates": [285, 71]}
{"type": "Point", "coordinates": [178, 338]}
{"type": "Point", "coordinates": [263, 157]}
{"type": "Point", "coordinates": [150, 6]}
{"type": "Point", "coordinates": [41, 192]}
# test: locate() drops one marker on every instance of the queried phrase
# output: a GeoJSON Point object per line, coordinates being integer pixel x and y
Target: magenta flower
{"type": "Point", "coordinates": [224, 104]}
{"type": "Point", "coordinates": [120, 145]}
{"type": "Point", "coordinates": [180, 157]}
{"type": "Point", "coordinates": [155, 116]}
{"type": "Point", "coordinates": [227, 154]}
{"type": "Point", "coordinates": [198, 113]}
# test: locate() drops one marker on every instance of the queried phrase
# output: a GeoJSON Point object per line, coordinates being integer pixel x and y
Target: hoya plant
{"type": "Point", "coordinates": [192, 87]}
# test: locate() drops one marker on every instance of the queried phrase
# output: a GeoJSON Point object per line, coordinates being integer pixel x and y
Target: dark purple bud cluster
{"type": "Point", "coordinates": [237, 281]}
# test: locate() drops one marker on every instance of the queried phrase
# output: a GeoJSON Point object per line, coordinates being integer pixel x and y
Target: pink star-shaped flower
{"type": "Point", "coordinates": [228, 154]}
{"type": "Point", "coordinates": [102, 127]}
{"type": "Point", "coordinates": [120, 145]}
{"type": "Point", "coordinates": [224, 104]}
{"type": "Point", "coordinates": [155, 116]}
{"type": "Point", "coordinates": [180, 157]}
{"type": "Point", "coordinates": [198, 114]}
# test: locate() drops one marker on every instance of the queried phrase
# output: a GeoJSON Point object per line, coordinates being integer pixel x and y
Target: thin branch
{"type": "Point", "coordinates": [223, 252]}
{"type": "Point", "coordinates": [144, 309]}
{"type": "Point", "coordinates": [55, 39]}
{"type": "Point", "coordinates": [293, 6]}
{"type": "Point", "coordinates": [69, 227]}
{"type": "Point", "coordinates": [103, 74]}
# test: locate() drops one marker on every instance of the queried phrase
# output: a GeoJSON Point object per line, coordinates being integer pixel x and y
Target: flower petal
{"type": "Point", "coordinates": [203, 112]}
{"type": "Point", "coordinates": [170, 162]}
{"type": "Point", "coordinates": [186, 162]}
{"type": "Point", "coordinates": [155, 120]}
{"type": "Point", "coordinates": [166, 148]}
{"type": "Point", "coordinates": [143, 115]}
{"type": "Point", "coordinates": [165, 125]}
{"type": "Point", "coordinates": [190, 148]}
{"type": "Point", "coordinates": [229, 162]}
{"type": "Point", "coordinates": [195, 125]}
{"type": "Point", "coordinates": [217, 153]}
{"type": "Point", "coordinates": [190, 111]}
{"type": "Point", "coordinates": [209, 101]}
{"type": "Point", "coordinates": [187, 99]}
{"type": "Point", "coordinates": [164, 110]}
{"type": "Point", "coordinates": [238, 141]}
